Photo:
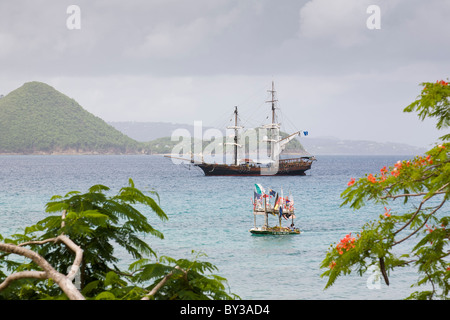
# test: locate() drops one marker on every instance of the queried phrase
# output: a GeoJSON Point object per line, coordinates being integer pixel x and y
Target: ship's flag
{"type": "Point", "coordinates": [259, 189]}
{"type": "Point", "coordinates": [272, 193]}
{"type": "Point", "coordinates": [276, 203]}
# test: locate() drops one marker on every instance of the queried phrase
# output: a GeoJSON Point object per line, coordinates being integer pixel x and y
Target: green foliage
{"type": "Point", "coordinates": [423, 183]}
{"type": "Point", "coordinates": [100, 223]}
{"type": "Point", "coordinates": [188, 281]}
{"type": "Point", "coordinates": [95, 221]}
{"type": "Point", "coordinates": [36, 118]}
{"type": "Point", "coordinates": [434, 102]}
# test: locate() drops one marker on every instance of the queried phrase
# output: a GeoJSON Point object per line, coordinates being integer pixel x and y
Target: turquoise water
{"type": "Point", "coordinates": [214, 214]}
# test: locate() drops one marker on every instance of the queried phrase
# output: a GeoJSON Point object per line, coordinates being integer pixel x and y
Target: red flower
{"type": "Point", "coordinates": [383, 173]}
{"type": "Point", "coordinates": [395, 172]}
{"type": "Point", "coordinates": [387, 212]}
{"type": "Point", "coordinates": [351, 182]}
{"type": "Point", "coordinates": [371, 178]}
{"type": "Point", "coordinates": [346, 243]}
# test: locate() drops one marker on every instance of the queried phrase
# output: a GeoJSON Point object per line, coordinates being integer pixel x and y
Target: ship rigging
{"type": "Point", "coordinates": [275, 145]}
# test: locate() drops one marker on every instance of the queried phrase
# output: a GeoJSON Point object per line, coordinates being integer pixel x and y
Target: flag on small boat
{"type": "Point", "coordinates": [259, 189]}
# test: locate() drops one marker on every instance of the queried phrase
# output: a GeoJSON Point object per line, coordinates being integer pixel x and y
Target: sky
{"type": "Point", "coordinates": [184, 61]}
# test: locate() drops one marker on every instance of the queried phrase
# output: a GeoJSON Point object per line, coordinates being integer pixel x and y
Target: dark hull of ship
{"type": "Point", "coordinates": [286, 168]}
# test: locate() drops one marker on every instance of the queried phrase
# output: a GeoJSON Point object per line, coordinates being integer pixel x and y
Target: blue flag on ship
{"type": "Point", "coordinates": [305, 133]}
{"type": "Point", "coordinates": [257, 196]}
{"type": "Point", "coordinates": [272, 193]}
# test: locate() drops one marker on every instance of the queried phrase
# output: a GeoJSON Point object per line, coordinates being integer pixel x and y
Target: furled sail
{"type": "Point", "coordinates": [281, 144]}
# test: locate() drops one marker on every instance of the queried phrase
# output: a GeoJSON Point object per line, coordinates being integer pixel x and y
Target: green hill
{"type": "Point", "coordinates": [36, 118]}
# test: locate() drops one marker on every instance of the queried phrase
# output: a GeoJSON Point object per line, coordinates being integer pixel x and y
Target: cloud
{"type": "Point", "coordinates": [8, 44]}
{"type": "Point", "coordinates": [334, 33]}
{"type": "Point", "coordinates": [158, 37]}
{"type": "Point", "coordinates": [339, 21]}
{"type": "Point", "coordinates": [167, 41]}
{"type": "Point", "coordinates": [181, 61]}
{"type": "Point", "coordinates": [201, 37]}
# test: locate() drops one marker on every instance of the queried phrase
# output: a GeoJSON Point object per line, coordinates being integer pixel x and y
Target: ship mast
{"type": "Point", "coordinates": [273, 126]}
{"type": "Point", "coordinates": [273, 102]}
{"type": "Point", "coordinates": [235, 135]}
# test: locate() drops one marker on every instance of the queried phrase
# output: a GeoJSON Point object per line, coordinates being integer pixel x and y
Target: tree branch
{"type": "Point", "coordinates": [439, 191]}
{"type": "Point", "coordinates": [162, 282]}
{"type": "Point", "coordinates": [64, 282]}
{"type": "Point", "coordinates": [423, 224]}
{"type": "Point", "coordinates": [48, 271]}
{"type": "Point", "coordinates": [22, 275]}
{"type": "Point", "coordinates": [413, 216]}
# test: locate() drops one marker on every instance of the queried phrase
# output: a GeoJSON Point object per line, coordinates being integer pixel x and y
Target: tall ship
{"type": "Point", "coordinates": [274, 165]}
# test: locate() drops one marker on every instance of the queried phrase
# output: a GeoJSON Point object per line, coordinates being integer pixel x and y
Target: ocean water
{"type": "Point", "coordinates": [213, 215]}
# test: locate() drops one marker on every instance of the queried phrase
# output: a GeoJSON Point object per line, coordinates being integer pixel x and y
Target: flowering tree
{"type": "Point", "coordinates": [423, 183]}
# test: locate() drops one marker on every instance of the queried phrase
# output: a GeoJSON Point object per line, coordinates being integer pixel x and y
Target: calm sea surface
{"type": "Point", "coordinates": [213, 215]}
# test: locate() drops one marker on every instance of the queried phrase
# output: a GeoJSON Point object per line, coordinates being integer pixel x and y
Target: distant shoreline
{"type": "Point", "coordinates": [71, 153]}
{"type": "Point", "coordinates": [166, 154]}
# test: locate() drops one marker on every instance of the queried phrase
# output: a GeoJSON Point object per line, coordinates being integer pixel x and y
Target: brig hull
{"type": "Point", "coordinates": [287, 167]}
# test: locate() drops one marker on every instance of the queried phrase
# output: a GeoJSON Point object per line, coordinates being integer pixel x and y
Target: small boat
{"type": "Point", "coordinates": [283, 207]}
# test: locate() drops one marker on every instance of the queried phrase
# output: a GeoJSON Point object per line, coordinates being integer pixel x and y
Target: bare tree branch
{"type": "Point", "coordinates": [64, 282]}
{"type": "Point", "coordinates": [48, 271]}
{"type": "Point", "coordinates": [22, 275]}
{"type": "Point", "coordinates": [69, 243]}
